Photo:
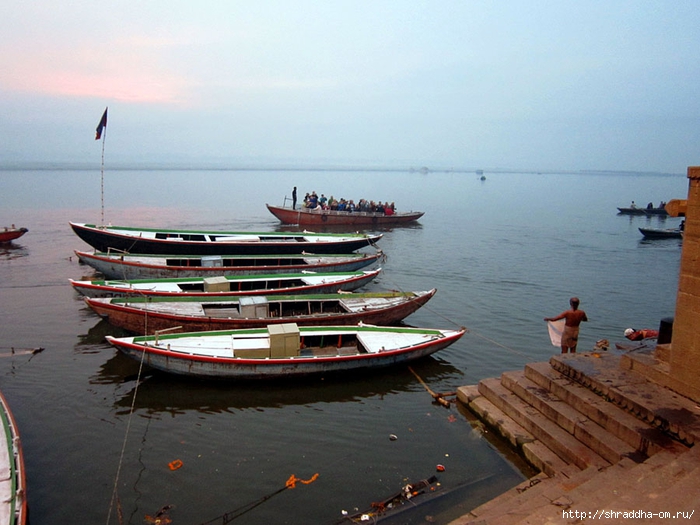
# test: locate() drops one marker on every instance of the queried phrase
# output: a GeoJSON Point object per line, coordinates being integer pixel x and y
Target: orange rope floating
{"type": "Point", "coordinates": [174, 465]}
{"type": "Point", "coordinates": [292, 481]}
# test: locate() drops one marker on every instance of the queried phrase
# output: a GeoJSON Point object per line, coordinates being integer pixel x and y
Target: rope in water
{"type": "Point", "coordinates": [228, 517]}
{"type": "Point", "coordinates": [115, 496]}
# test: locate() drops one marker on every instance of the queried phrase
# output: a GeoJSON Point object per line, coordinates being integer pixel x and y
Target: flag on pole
{"type": "Point", "coordinates": [101, 126]}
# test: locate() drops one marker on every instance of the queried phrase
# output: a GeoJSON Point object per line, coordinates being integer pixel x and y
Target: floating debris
{"type": "Point", "coordinates": [21, 351]}
{"type": "Point", "coordinates": [407, 492]}
{"type": "Point", "coordinates": [161, 517]}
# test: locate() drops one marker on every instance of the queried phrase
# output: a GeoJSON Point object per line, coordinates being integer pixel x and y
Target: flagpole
{"type": "Point", "coordinates": [101, 133]}
{"type": "Point", "coordinates": [102, 176]}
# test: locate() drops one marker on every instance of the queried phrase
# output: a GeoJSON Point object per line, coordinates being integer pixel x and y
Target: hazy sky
{"type": "Point", "coordinates": [531, 84]}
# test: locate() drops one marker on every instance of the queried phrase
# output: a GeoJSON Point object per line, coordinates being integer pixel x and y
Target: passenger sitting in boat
{"type": "Point", "coordinates": [633, 206]}
{"type": "Point", "coordinates": [638, 335]}
{"type": "Point", "coordinates": [323, 201]}
{"type": "Point", "coordinates": [313, 201]}
{"type": "Point", "coordinates": [388, 210]}
{"type": "Point", "coordinates": [350, 206]}
{"type": "Point", "coordinates": [650, 206]}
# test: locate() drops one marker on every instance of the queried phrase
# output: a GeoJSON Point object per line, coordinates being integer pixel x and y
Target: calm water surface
{"type": "Point", "coordinates": [503, 253]}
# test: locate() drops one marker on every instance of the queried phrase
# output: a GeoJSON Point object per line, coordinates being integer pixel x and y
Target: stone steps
{"type": "Point", "coordinates": [645, 438]}
{"type": "Point", "coordinates": [596, 438]}
{"type": "Point", "coordinates": [650, 402]}
{"type": "Point", "coordinates": [652, 488]}
{"type": "Point", "coordinates": [558, 440]}
{"type": "Point", "coordinates": [601, 437]}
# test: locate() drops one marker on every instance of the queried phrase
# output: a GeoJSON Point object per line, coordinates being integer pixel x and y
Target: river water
{"type": "Point", "coordinates": [503, 252]}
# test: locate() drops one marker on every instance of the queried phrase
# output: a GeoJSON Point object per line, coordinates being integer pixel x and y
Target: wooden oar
{"type": "Point", "coordinates": [438, 397]}
{"type": "Point", "coordinates": [21, 351]}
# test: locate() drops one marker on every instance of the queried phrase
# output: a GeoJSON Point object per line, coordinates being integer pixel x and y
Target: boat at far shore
{"type": "Point", "coordinates": [630, 211]}
{"type": "Point", "coordinates": [321, 217]}
{"type": "Point", "coordinates": [13, 485]}
{"type": "Point", "coordinates": [143, 315]}
{"type": "Point", "coordinates": [661, 233]}
{"type": "Point", "coordinates": [284, 351]}
{"type": "Point", "coordinates": [11, 233]}
{"type": "Point", "coordinates": [642, 211]}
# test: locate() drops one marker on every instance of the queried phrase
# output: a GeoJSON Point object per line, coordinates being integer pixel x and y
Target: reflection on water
{"type": "Point", "coordinates": [161, 392]}
{"type": "Point", "coordinates": [12, 250]}
{"type": "Point", "coordinates": [96, 334]}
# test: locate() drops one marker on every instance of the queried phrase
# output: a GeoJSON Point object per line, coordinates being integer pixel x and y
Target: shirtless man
{"type": "Point", "coordinates": [574, 317]}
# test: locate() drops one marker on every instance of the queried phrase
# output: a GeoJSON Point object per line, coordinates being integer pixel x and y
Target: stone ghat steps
{"type": "Point", "coordinates": [603, 439]}
{"type": "Point", "coordinates": [613, 377]}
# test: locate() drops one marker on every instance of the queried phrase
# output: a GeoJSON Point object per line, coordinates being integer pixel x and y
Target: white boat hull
{"type": "Point", "coordinates": [193, 355]}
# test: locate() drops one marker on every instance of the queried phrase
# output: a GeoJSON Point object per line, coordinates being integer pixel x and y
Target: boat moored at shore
{"type": "Point", "coordinates": [223, 285]}
{"type": "Point", "coordinates": [200, 242]}
{"type": "Point", "coordinates": [13, 485]}
{"type": "Point", "coordinates": [284, 351]}
{"type": "Point", "coordinates": [115, 265]}
{"type": "Point", "coordinates": [194, 314]}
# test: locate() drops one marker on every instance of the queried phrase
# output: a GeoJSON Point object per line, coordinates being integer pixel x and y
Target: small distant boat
{"type": "Point", "coordinates": [655, 211]}
{"type": "Point", "coordinates": [284, 350]}
{"type": "Point", "coordinates": [642, 211]}
{"type": "Point", "coordinates": [198, 242]}
{"type": "Point", "coordinates": [142, 315]}
{"type": "Point", "coordinates": [114, 265]}
{"type": "Point", "coordinates": [13, 485]}
{"type": "Point", "coordinates": [319, 217]}
{"type": "Point", "coordinates": [11, 233]}
{"type": "Point", "coordinates": [661, 233]}
{"type": "Point", "coordinates": [631, 211]}
{"type": "Point", "coordinates": [295, 283]}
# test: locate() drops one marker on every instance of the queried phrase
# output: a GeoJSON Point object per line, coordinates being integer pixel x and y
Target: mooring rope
{"type": "Point", "coordinates": [228, 517]}
{"type": "Point", "coordinates": [115, 496]}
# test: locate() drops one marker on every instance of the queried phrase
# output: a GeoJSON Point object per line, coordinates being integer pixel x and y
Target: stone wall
{"type": "Point", "coordinates": [685, 345]}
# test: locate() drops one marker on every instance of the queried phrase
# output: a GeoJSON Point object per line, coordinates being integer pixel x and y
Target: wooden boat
{"type": "Point", "coordinates": [642, 211]}
{"type": "Point", "coordinates": [283, 283]}
{"type": "Point", "coordinates": [306, 217]}
{"type": "Point", "coordinates": [115, 265]}
{"type": "Point", "coordinates": [655, 211]}
{"type": "Point", "coordinates": [196, 314]}
{"type": "Point", "coordinates": [630, 211]}
{"type": "Point", "coordinates": [284, 350]}
{"type": "Point", "coordinates": [11, 233]}
{"type": "Point", "coordinates": [13, 485]}
{"type": "Point", "coordinates": [661, 233]}
{"type": "Point", "coordinates": [195, 242]}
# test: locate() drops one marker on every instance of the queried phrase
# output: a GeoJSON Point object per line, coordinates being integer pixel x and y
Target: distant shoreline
{"type": "Point", "coordinates": [221, 166]}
